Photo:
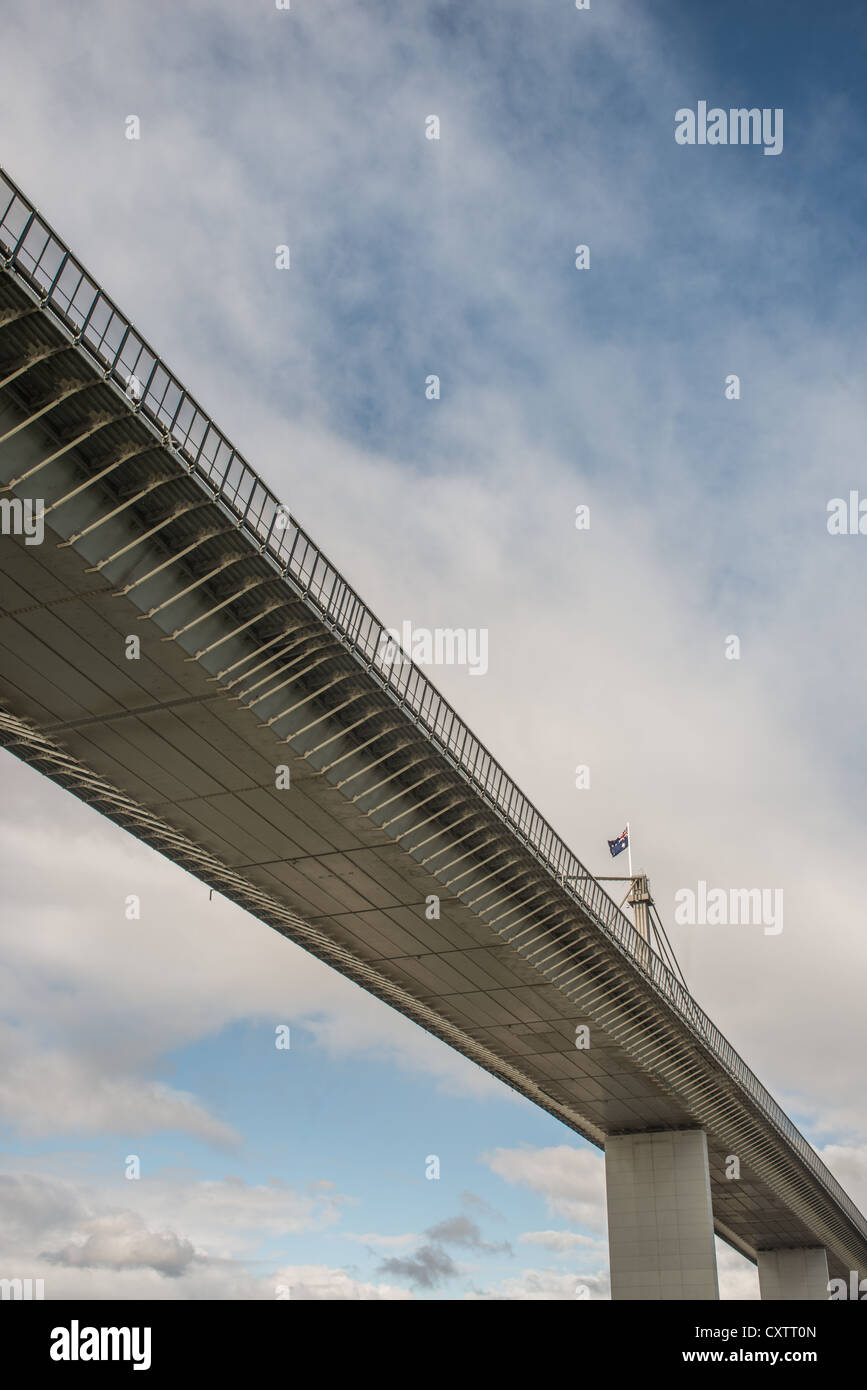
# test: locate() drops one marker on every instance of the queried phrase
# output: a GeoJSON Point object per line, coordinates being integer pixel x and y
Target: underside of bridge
{"type": "Point", "coordinates": [249, 742]}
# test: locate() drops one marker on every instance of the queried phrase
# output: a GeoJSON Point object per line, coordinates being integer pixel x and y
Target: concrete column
{"type": "Point", "coordinates": [794, 1275]}
{"type": "Point", "coordinates": [660, 1220]}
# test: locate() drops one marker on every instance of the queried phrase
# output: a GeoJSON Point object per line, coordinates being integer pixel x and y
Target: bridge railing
{"type": "Point", "coordinates": [30, 248]}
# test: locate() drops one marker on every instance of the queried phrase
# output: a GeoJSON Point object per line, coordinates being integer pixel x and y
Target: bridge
{"type": "Point", "coordinates": [177, 652]}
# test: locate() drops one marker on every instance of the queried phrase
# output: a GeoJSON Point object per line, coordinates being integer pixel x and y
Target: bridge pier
{"type": "Point", "coordinates": [660, 1220]}
{"type": "Point", "coordinates": [794, 1275]}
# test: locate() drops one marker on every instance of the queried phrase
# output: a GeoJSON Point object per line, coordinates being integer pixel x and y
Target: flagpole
{"type": "Point", "coordinates": [629, 847]}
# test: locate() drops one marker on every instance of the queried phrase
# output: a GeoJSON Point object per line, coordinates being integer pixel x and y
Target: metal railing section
{"type": "Point", "coordinates": [30, 248]}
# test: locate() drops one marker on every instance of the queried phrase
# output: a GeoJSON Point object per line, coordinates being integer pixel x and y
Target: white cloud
{"type": "Point", "coordinates": [559, 1242]}
{"type": "Point", "coordinates": [172, 1238]}
{"type": "Point", "coordinates": [51, 1092]}
{"type": "Point", "coordinates": [121, 1241]}
{"type": "Point", "coordinates": [545, 1285]}
{"type": "Point", "coordinates": [320, 1282]}
{"type": "Point", "coordinates": [571, 1180]}
{"type": "Point", "coordinates": [848, 1163]}
{"type": "Point", "coordinates": [738, 1277]}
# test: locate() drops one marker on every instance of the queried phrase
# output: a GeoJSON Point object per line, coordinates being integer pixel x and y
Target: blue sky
{"type": "Point", "coordinates": [559, 387]}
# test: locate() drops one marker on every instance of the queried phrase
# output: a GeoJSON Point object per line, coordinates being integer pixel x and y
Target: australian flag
{"type": "Point", "coordinates": [618, 845]}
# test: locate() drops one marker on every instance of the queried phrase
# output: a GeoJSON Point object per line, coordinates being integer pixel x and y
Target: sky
{"type": "Point", "coordinates": [609, 647]}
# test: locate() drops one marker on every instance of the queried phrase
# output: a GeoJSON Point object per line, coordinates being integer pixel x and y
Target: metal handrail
{"type": "Point", "coordinates": [32, 250]}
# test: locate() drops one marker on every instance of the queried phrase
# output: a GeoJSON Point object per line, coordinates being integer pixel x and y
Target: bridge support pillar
{"type": "Point", "coordinates": [794, 1275]}
{"type": "Point", "coordinates": [660, 1220]}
